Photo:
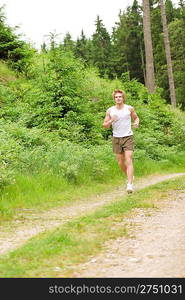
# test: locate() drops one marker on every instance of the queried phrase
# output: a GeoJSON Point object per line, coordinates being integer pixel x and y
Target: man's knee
{"type": "Point", "coordinates": [128, 161]}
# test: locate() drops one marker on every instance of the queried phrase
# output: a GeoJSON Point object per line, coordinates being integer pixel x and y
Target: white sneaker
{"type": "Point", "coordinates": [130, 188]}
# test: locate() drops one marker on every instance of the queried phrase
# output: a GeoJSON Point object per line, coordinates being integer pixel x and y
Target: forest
{"type": "Point", "coordinates": [64, 211]}
{"type": "Point", "coordinates": [53, 103]}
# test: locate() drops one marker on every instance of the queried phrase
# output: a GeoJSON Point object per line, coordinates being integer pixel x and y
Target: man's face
{"type": "Point", "coordinates": [118, 98]}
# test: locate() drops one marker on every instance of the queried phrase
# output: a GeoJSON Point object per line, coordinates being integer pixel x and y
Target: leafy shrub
{"type": "Point", "coordinates": [53, 122]}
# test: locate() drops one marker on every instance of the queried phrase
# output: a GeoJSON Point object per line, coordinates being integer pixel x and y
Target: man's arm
{"type": "Point", "coordinates": [108, 120]}
{"type": "Point", "coordinates": [135, 117]}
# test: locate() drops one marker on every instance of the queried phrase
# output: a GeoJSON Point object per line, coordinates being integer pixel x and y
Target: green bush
{"type": "Point", "coordinates": [53, 122]}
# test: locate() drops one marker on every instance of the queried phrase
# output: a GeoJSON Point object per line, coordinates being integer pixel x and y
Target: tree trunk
{"type": "Point", "coordinates": [150, 77]}
{"type": "Point", "coordinates": [143, 63]}
{"type": "Point", "coordinates": [168, 54]}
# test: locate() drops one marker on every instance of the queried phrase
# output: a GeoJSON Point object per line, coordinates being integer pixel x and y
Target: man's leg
{"type": "Point", "coordinates": [129, 165]}
{"type": "Point", "coordinates": [121, 162]}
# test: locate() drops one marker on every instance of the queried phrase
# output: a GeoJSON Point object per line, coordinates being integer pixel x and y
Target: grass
{"type": "Point", "coordinates": [76, 241]}
{"type": "Point", "coordinates": [43, 190]}
{"type": "Point", "coordinates": [6, 74]}
{"type": "Point", "coordinates": [173, 164]}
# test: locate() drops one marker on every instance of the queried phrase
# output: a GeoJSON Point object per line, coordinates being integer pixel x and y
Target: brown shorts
{"type": "Point", "coordinates": [119, 145]}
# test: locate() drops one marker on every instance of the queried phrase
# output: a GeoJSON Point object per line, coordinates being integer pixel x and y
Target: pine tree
{"type": "Point", "coordinates": [43, 47]}
{"type": "Point", "coordinates": [127, 44]}
{"type": "Point", "coordinates": [81, 47]}
{"type": "Point", "coordinates": [135, 42]}
{"type": "Point", "coordinates": [170, 12]}
{"type": "Point", "coordinates": [177, 45]}
{"type": "Point", "coordinates": [17, 52]}
{"type": "Point", "coordinates": [180, 11]}
{"type": "Point", "coordinates": [68, 43]}
{"type": "Point", "coordinates": [119, 62]}
{"type": "Point", "coordinates": [101, 47]}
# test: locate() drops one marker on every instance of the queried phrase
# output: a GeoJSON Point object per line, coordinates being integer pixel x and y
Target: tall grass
{"type": "Point", "coordinates": [71, 173]}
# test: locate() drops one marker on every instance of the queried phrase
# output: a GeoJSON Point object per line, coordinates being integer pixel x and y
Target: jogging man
{"type": "Point", "coordinates": [119, 117]}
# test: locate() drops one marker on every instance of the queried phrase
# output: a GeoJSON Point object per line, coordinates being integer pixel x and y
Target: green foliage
{"type": "Point", "coordinates": [52, 121]}
{"type": "Point", "coordinates": [9, 154]}
{"type": "Point", "coordinates": [113, 54]}
{"type": "Point", "coordinates": [12, 48]}
{"type": "Point", "coordinates": [81, 49]}
{"type": "Point", "coordinates": [127, 44]}
{"type": "Point", "coordinates": [6, 75]}
{"type": "Point", "coordinates": [101, 46]}
{"type": "Point", "coordinates": [68, 43]}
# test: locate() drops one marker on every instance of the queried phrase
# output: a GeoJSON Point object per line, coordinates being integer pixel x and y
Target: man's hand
{"type": "Point", "coordinates": [135, 124]}
{"type": "Point", "coordinates": [109, 120]}
{"type": "Point", "coordinates": [114, 118]}
{"type": "Point", "coordinates": [135, 118]}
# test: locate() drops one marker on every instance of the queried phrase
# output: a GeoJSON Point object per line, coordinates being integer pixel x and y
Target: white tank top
{"type": "Point", "coordinates": [121, 127]}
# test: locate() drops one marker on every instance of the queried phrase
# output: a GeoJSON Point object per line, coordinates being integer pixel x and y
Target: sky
{"type": "Point", "coordinates": [37, 18]}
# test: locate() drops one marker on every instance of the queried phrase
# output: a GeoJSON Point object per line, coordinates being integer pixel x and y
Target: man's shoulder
{"type": "Point", "coordinates": [111, 108]}
{"type": "Point", "coordinates": [130, 107]}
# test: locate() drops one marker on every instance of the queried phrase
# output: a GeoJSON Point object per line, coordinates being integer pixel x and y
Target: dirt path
{"type": "Point", "coordinates": [155, 246]}
{"type": "Point", "coordinates": [28, 224]}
